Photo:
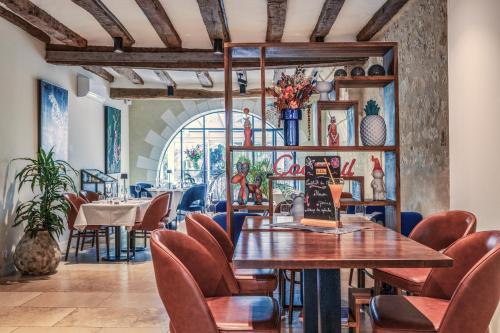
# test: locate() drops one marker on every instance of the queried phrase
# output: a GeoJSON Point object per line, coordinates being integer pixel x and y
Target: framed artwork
{"type": "Point", "coordinates": [53, 119]}
{"type": "Point", "coordinates": [112, 137]}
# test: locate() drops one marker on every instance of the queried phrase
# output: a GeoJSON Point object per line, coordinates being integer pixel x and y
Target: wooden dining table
{"type": "Point", "coordinates": [321, 256]}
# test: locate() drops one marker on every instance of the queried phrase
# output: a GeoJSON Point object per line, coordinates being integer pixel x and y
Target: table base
{"type": "Point", "coordinates": [322, 304]}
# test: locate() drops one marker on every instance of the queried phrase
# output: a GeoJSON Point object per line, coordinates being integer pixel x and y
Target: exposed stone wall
{"type": "Point", "coordinates": [420, 28]}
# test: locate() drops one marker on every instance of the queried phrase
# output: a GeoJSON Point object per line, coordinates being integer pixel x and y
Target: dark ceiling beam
{"type": "Point", "coordinates": [130, 74]}
{"type": "Point", "coordinates": [165, 77]}
{"type": "Point", "coordinates": [276, 16]}
{"type": "Point", "coordinates": [26, 26]}
{"type": "Point", "coordinates": [152, 93]}
{"type": "Point", "coordinates": [205, 79]}
{"type": "Point", "coordinates": [106, 19]}
{"type": "Point", "coordinates": [99, 71]}
{"type": "Point", "coordinates": [186, 60]}
{"type": "Point", "coordinates": [380, 19]}
{"type": "Point", "coordinates": [327, 17]}
{"type": "Point", "coordinates": [214, 17]}
{"type": "Point", "coordinates": [43, 21]}
{"type": "Point", "coordinates": [160, 21]}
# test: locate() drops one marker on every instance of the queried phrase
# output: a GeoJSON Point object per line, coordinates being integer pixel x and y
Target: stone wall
{"type": "Point", "coordinates": [420, 28]}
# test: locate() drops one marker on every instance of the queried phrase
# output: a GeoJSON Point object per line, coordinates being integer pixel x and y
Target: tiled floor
{"type": "Point", "coordinates": [87, 297]}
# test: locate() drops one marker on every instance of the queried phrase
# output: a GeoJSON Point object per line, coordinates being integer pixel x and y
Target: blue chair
{"type": "Point", "coordinates": [144, 187]}
{"type": "Point", "coordinates": [193, 200]}
{"type": "Point", "coordinates": [379, 217]}
{"type": "Point", "coordinates": [239, 219]}
{"type": "Point", "coordinates": [409, 220]}
{"type": "Point", "coordinates": [220, 207]}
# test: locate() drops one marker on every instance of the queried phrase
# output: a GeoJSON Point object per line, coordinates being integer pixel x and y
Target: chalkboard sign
{"type": "Point", "coordinates": [318, 200]}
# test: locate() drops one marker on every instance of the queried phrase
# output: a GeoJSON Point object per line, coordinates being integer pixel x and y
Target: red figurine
{"type": "Point", "coordinates": [241, 178]}
{"type": "Point", "coordinates": [255, 191]}
{"type": "Point", "coordinates": [333, 134]}
{"type": "Point", "coordinates": [247, 129]}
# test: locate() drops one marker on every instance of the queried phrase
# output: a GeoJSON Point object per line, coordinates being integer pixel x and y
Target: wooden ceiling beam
{"type": "Point", "coordinates": [183, 60]}
{"type": "Point", "coordinates": [160, 21]}
{"type": "Point", "coordinates": [43, 21]}
{"type": "Point", "coordinates": [327, 17]}
{"type": "Point", "coordinates": [165, 77]}
{"type": "Point", "coordinates": [214, 17]}
{"type": "Point", "coordinates": [130, 74]}
{"type": "Point", "coordinates": [153, 93]}
{"type": "Point", "coordinates": [26, 26]}
{"type": "Point", "coordinates": [276, 16]}
{"type": "Point", "coordinates": [106, 19]}
{"type": "Point", "coordinates": [205, 79]}
{"type": "Point", "coordinates": [380, 19]}
{"type": "Point", "coordinates": [99, 71]}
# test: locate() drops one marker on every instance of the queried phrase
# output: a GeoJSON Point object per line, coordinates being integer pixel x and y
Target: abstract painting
{"type": "Point", "coordinates": [53, 119]}
{"type": "Point", "coordinates": [113, 128]}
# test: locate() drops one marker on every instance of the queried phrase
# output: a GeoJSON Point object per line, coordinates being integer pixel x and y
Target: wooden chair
{"type": "Point", "coordinates": [195, 295]}
{"type": "Point", "coordinates": [89, 196]}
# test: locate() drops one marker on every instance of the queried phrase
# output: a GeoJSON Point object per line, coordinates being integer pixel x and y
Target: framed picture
{"type": "Point", "coordinates": [112, 138]}
{"type": "Point", "coordinates": [53, 119]}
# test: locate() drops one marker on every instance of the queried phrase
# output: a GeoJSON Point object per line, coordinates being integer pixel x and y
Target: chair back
{"type": "Point", "coordinates": [185, 274]}
{"type": "Point", "coordinates": [217, 232]}
{"type": "Point", "coordinates": [74, 206]}
{"type": "Point", "coordinates": [195, 195]}
{"type": "Point", "coordinates": [409, 220]}
{"type": "Point", "coordinates": [89, 196]}
{"type": "Point", "coordinates": [473, 282]}
{"type": "Point", "coordinates": [156, 211]}
{"type": "Point", "coordinates": [198, 232]}
{"type": "Point", "coordinates": [440, 230]}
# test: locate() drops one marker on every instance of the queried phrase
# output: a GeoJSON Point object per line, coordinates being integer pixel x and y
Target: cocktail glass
{"type": "Point", "coordinates": [336, 186]}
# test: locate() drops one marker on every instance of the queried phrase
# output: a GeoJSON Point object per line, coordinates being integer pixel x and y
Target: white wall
{"type": "Point", "coordinates": [22, 64]}
{"type": "Point", "coordinates": [474, 91]}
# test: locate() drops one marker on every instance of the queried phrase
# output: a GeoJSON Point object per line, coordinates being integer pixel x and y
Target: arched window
{"type": "Point", "coordinates": [196, 153]}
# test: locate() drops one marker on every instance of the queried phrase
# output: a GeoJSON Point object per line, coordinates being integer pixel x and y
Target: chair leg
{"type": "Point", "coordinates": [96, 238]}
{"type": "Point", "coordinates": [292, 292]}
{"type": "Point", "coordinates": [84, 238]}
{"type": "Point", "coordinates": [351, 273]}
{"type": "Point", "coordinates": [77, 244]}
{"type": "Point", "coordinates": [377, 287]}
{"type": "Point", "coordinates": [69, 245]}
{"type": "Point", "coordinates": [107, 241]}
{"type": "Point", "coordinates": [133, 242]}
{"type": "Point", "coordinates": [93, 238]}
{"type": "Point", "coordinates": [128, 246]}
{"type": "Point", "coordinates": [281, 283]}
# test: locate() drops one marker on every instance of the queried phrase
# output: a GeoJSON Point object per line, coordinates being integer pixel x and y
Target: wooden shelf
{"type": "Point", "coordinates": [271, 178]}
{"type": "Point", "coordinates": [254, 208]}
{"type": "Point", "coordinates": [363, 81]}
{"type": "Point", "coordinates": [368, 203]}
{"type": "Point", "coordinates": [314, 148]}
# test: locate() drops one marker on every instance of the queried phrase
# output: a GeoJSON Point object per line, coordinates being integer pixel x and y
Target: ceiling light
{"type": "Point", "coordinates": [243, 89]}
{"type": "Point", "coordinates": [218, 46]}
{"type": "Point", "coordinates": [320, 39]}
{"type": "Point", "coordinates": [170, 91]}
{"type": "Point", "coordinates": [117, 44]}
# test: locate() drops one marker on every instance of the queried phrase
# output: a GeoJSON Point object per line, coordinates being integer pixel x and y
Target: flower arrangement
{"type": "Point", "coordinates": [194, 154]}
{"type": "Point", "coordinates": [292, 91]}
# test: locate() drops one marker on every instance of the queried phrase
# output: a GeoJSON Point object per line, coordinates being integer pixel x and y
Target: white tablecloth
{"type": "Point", "coordinates": [109, 214]}
{"type": "Point", "coordinates": [176, 196]}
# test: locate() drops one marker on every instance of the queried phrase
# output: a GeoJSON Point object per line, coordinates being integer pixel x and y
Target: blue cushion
{"type": "Point", "coordinates": [409, 220]}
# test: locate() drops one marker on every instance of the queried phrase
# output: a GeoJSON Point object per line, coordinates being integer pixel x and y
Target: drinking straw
{"type": "Point", "coordinates": [329, 172]}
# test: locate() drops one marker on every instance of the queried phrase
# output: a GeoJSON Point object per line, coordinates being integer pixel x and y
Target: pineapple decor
{"type": "Point", "coordinates": [372, 128]}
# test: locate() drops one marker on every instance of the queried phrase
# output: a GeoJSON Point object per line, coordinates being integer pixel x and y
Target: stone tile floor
{"type": "Point", "coordinates": [87, 297]}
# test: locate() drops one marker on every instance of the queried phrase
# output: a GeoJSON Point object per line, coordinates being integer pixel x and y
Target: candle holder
{"type": "Point", "coordinates": [124, 176]}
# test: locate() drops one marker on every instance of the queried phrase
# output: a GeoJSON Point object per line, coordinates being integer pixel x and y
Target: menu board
{"type": "Point", "coordinates": [318, 200]}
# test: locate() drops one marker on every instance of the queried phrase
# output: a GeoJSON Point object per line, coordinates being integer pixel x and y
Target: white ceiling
{"type": "Point", "coordinates": [247, 22]}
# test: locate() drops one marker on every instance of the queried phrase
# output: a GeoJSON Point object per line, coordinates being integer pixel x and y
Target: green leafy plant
{"type": "Point", "coordinates": [372, 108]}
{"type": "Point", "coordinates": [48, 179]}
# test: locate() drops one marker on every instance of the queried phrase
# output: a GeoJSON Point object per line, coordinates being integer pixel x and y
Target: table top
{"type": "Point", "coordinates": [375, 247]}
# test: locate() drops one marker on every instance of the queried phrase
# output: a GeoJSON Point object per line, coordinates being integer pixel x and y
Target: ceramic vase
{"type": "Point", "coordinates": [39, 255]}
{"type": "Point", "coordinates": [291, 119]}
{"type": "Point", "coordinates": [324, 88]}
{"type": "Point", "coordinates": [373, 130]}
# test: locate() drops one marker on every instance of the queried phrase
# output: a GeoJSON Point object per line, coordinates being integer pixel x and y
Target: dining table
{"type": "Point", "coordinates": [112, 213]}
{"type": "Point", "coordinates": [263, 245]}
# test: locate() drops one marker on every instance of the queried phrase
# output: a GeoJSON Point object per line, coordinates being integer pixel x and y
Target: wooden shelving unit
{"type": "Point", "coordinates": [320, 53]}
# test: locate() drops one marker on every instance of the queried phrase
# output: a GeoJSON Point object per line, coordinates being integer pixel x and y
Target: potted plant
{"type": "Point", "coordinates": [372, 128]}
{"type": "Point", "coordinates": [37, 253]}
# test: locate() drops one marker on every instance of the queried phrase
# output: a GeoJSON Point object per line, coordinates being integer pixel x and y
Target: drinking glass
{"type": "Point", "coordinates": [108, 191]}
{"type": "Point", "coordinates": [336, 186]}
{"type": "Point", "coordinates": [138, 190]}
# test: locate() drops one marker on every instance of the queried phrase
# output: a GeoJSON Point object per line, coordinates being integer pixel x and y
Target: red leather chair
{"type": "Point", "coordinates": [241, 285]}
{"type": "Point", "coordinates": [258, 280]}
{"type": "Point", "coordinates": [153, 218]}
{"type": "Point", "coordinates": [437, 231]}
{"type": "Point", "coordinates": [89, 196]}
{"type": "Point", "coordinates": [195, 294]}
{"type": "Point", "coordinates": [90, 231]}
{"type": "Point", "coordinates": [462, 298]}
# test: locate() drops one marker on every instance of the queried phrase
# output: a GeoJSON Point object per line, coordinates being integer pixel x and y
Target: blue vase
{"type": "Point", "coordinates": [291, 119]}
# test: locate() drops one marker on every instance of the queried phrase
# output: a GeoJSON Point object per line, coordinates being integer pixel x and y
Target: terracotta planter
{"type": "Point", "coordinates": [37, 256]}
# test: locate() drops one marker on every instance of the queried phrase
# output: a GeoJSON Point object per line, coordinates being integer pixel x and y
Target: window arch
{"type": "Point", "coordinates": [196, 153]}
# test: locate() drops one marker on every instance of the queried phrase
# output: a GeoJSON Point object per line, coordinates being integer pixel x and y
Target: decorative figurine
{"type": "Point", "coordinates": [297, 209]}
{"type": "Point", "coordinates": [324, 88]}
{"type": "Point", "coordinates": [241, 178]}
{"type": "Point", "coordinates": [333, 134]}
{"type": "Point", "coordinates": [376, 70]}
{"type": "Point", "coordinates": [372, 129]}
{"type": "Point", "coordinates": [358, 71]}
{"type": "Point", "coordinates": [340, 72]}
{"type": "Point", "coordinates": [247, 129]}
{"type": "Point", "coordinates": [255, 190]}
{"type": "Point", "coordinates": [377, 183]}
